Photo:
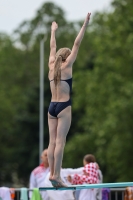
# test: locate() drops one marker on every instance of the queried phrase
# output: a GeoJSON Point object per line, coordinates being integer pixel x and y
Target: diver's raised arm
{"type": "Point", "coordinates": [78, 40]}
{"type": "Point", "coordinates": [54, 27]}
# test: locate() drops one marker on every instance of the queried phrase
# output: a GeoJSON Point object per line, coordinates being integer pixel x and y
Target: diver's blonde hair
{"type": "Point", "coordinates": [61, 56]}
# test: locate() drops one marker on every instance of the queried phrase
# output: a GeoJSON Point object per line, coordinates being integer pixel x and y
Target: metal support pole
{"type": "Point", "coordinates": [41, 109]}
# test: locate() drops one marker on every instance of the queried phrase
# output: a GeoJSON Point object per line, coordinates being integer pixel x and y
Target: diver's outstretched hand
{"type": "Point", "coordinates": [54, 26]}
{"type": "Point", "coordinates": [87, 19]}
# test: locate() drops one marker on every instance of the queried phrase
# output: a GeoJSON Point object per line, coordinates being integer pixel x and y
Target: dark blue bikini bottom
{"type": "Point", "coordinates": [56, 107]}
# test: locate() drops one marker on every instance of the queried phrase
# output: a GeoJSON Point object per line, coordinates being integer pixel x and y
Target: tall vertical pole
{"type": "Point", "coordinates": [41, 106]}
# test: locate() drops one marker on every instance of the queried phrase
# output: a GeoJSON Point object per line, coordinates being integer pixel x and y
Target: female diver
{"type": "Point", "coordinates": [59, 112]}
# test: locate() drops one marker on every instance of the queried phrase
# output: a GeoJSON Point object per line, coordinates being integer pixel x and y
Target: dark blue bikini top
{"type": "Point", "coordinates": [69, 82]}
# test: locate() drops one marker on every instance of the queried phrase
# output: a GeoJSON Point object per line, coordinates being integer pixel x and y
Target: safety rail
{"type": "Point", "coordinates": [115, 194]}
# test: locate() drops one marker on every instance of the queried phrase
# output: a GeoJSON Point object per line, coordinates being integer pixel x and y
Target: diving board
{"type": "Point", "coordinates": [88, 186]}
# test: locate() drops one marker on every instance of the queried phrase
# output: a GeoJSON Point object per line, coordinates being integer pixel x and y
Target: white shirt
{"type": "Point", "coordinates": [37, 180]}
{"type": "Point", "coordinates": [98, 191]}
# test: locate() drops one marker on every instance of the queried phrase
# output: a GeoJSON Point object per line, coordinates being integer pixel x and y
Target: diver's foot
{"type": "Point", "coordinates": [57, 183]}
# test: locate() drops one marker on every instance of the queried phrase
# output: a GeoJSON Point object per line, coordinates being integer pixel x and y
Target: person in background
{"type": "Point", "coordinates": [39, 174]}
{"type": "Point", "coordinates": [90, 174]}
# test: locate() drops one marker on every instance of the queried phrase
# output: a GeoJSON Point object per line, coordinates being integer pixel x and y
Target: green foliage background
{"type": "Point", "coordinates": [102, 93]}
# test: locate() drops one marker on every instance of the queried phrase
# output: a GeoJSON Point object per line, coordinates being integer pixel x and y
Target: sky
{"type": "Point", "coordinates": [14, 12]}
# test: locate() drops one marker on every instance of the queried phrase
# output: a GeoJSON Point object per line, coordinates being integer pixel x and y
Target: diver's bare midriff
{"type": "Point", "coordinates": [61, 93]}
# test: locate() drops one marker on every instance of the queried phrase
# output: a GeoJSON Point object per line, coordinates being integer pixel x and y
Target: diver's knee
{"type": "Point", "coordinates": [60, 142]}
{"type": "Point", "coordinates": [52, 143]}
